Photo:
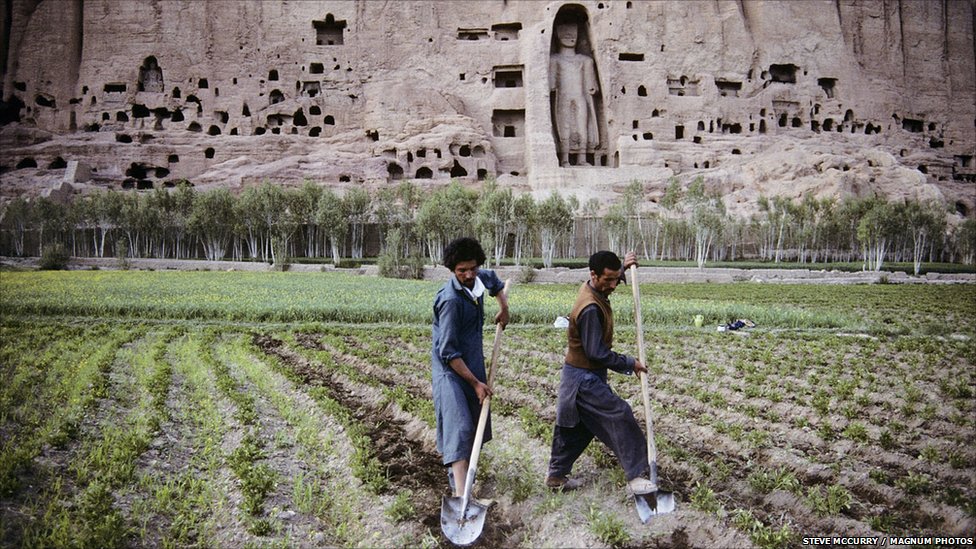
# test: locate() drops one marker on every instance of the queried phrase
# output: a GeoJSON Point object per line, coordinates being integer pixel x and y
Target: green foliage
{"type": "Point", "coordinates": [122, 253]}
{"type": "Point", "coordinates": [856, 432]}
{"type": "Point", "coordinates": [54, 257]}
{"type": "Point", "coordinates": [886, 439]}
{"type": "Point", "coordinates": [914, 483]}
{"type": "Point", "coordinates": [831, 501]}
{"type": "Point", "coordinates": [394, 263]}
{"type": "Point", "coordinates": [257, 479]}
{"type": "Point", "coordinates": [704, 499]}
{"type": "Point", "coordinates": [606, 527]}
{"type": "Point", "coordinates": [555, 221]}
{"type": "Point", "coordinates": [765, 481]}
{"type": "Point", "coordinates": [761, 534]}
{"type": "Point", "coordinates": [402, 508]}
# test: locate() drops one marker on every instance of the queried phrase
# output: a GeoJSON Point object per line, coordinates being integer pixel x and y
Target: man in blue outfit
{"type": "Point", "coordinates": [458, 370]}
{"type": "Point", "coordinates": [586, 405]}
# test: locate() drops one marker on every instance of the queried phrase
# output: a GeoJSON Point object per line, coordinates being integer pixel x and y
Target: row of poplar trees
{"type": "Point", "coordinates": [271, 222]}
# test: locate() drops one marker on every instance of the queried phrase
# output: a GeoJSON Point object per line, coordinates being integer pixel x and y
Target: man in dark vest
{"type": "Point", "coordinates": [586, 405]}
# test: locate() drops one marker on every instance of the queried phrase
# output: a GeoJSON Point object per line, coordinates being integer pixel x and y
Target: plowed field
{"type": "Point", "coordinates": [156, 430]}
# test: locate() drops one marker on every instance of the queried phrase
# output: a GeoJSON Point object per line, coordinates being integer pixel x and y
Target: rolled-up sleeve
{"type": "Point", "coordinates": [448, 314]}
{"type": "Point", "coordinates": [492, 283]}
{"type": "Point", "coordinates": [590, 323]}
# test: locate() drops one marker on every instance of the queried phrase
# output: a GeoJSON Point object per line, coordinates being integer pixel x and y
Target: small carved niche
{"type": "Point", "coordinates": [114, 92]}
{"type": "Point", "coordinates": [828, 85]}
{"type": "Point", "coordinates": [728, 88]}
{"type": "Point", "coordinates": [682, 86]}
{"type": "Point", "coordinates": [506, 31]}
{"type": "Point", "coordinates": [311, 89]}
{"type": "Point", "coordinates": [150, 76]}
{"type": "Point", "coordinates": [472, 35]}
{"type": "Point", "coordinates": [785, 73]}
{"type": "Point", "coordinates": [508, 123]}
{"type": "Point", "coordinates": [507, 76]}
{"type": "Point", "coordinates": [329, 32]}
{"type": "Point", "coordinates": [912, 125]}
{"type": "Point", "coordinates": [630, 56]}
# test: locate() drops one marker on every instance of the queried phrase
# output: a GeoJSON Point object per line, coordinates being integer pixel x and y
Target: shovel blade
{"type": "Point", "coordinates": [653, 504]}
{"type": "Point", "coordinates": [462, 526]}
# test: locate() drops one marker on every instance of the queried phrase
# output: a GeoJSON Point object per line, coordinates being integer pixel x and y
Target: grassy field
{"type": "Point", "coordinates": [186, 409]}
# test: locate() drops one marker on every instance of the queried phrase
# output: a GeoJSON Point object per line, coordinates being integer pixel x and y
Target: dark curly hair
{"type": "Point", "coordinates": [602, 260]}
{"type": "Point", "coordinates": [463, 249]}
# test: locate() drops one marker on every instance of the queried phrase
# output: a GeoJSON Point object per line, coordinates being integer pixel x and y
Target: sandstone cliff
{"type": "Point", "coordinates": [834, 98]}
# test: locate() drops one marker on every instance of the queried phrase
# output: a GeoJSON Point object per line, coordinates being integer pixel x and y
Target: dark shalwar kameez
{"type": "Point", "coordinates": [457, 332]}
{"type": "Point", "coordinates": [588, 407]}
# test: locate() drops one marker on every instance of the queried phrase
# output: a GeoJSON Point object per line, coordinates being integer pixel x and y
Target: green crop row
{"type": "Point", "coordinates": [340, 297]}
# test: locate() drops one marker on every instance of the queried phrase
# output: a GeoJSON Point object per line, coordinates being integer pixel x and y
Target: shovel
{"type": "Point", "coordinates": [463, 518]}
{"type": "Point", "coordinates": [658, 502]}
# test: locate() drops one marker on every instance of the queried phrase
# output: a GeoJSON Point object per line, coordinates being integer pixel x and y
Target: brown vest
{"type": "Point", "coordinates": [575, 356]}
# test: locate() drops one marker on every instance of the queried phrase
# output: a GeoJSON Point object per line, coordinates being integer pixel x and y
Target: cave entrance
{"type": "Point", "coordinates": [329, 32]}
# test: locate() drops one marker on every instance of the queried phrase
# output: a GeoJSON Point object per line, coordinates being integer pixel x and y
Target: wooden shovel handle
{"type": "Point", "coordinates": [642, 356]}
{"type": "Point", "coordinates": [483, 417]}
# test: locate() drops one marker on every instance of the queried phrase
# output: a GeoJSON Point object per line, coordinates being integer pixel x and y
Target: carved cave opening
{"type": "Point", "coordinates": [827, 84]}
{"type": "Point", "coordinates": [728, 88]}
{"type": "Point", "coordinates": [150, 76]}
{"type": "Point", "coordinates": [507, 76]}
{"type": "Point", "coordinates": [44, 100]}
{"type": "Point", "coordinates": [508, 123]}
{"type": "Point", "coordinates": [395, 171]}
{"type": "Point", "coordinates": [785, 73]}
{"type": "Point", "coordinates": [506, 31]}
{"type": "Point", "coordinates": [576, 101]}
{"type": "Point", "coordinates": [311, 89]}
{"type": "Point", "coordinates": [472, 35]}
{"type": "Point", "coordinates": [682, 86]}
{"type": "Point", "coordinates": [912, 125]}
{"type": "Point", "coordinates": [329, 32]}
{"type": "Point", "coordinates": [457, 170]}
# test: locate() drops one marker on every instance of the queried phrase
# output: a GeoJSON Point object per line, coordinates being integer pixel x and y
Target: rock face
{"type": "Point", "coordinates": [834, 98]}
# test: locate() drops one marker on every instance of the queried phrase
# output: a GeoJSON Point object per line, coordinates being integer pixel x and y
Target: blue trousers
{"type": "Point", "coordinates": [609, 418]}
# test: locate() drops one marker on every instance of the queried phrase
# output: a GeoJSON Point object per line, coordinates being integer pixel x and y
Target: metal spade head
{"type": "Point", "coordinates": [462, 524]}
{"type": "Point", "coordinates": [653, 504]}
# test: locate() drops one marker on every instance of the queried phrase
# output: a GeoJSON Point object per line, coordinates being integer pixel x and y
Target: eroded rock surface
{"type": "Point", "coordinates": [834, 98]}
